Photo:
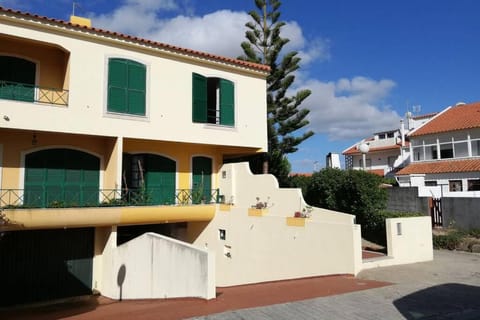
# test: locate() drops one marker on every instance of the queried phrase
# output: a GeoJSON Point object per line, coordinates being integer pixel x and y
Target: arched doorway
{"type": "Point", "coordinates": [149, 178]}
{"type": "Point", "coordinates": [61, 177]}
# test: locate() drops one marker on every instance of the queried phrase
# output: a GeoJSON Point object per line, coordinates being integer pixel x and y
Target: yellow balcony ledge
{"type": "Point", "coordinates": [50, 218]}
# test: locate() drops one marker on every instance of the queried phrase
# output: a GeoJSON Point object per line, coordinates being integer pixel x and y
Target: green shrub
{"type": "Point", "coordinates": [448, 241]}
{"type": "Point", "coordinates": [474, 233]}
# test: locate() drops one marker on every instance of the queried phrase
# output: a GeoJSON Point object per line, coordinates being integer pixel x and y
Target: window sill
{"type": "Point", "coordinates": [126, 116]}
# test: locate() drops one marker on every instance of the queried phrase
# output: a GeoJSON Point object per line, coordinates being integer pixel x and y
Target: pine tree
{"type": "Point", "coordinates": [284, 116]}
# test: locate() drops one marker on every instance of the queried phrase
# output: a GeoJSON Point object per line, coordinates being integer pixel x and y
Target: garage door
{"type": "Point", "coordinates": [45, 265]}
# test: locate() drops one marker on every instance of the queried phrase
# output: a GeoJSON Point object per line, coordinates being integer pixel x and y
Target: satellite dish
{"type": "Point", "coordinates": [364, 148]}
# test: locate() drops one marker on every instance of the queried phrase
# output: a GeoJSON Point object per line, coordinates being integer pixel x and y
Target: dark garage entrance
{"type": "Point", "coordinates": [43, 265]}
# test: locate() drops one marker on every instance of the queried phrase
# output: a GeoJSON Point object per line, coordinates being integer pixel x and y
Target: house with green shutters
{"type": "Point", "coordinates": [118, 172]}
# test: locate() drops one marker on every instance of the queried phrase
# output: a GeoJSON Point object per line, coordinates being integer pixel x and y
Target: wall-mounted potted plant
{"type": "Point", "coordinates": [260, 208]}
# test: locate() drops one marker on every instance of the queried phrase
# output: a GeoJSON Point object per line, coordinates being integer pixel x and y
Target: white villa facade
{"type": "Point", "coordinates": [445, 154]}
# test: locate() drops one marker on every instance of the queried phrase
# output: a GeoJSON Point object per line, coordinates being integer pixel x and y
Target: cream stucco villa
{"type": "Point", "coordinates": [114, 174]}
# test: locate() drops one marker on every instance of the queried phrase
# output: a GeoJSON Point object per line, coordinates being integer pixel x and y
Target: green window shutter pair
{"type": "Point", "coordinates": [199, 100]}
{"type": "Point", "coordinates": [126, 86]}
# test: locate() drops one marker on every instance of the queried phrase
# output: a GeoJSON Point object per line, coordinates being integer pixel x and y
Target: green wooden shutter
{"type": "Point", "coordinates": [201, 179]}
{"type": "Point", "coordinates": [126, 86]}
{"type": "Point", "coordinates": [117, 85]}
{"type": "Point", "coordinates": [227, 104]}
{"type": "Point", "coordinates": [160, 179]}
{"type": "Point", "coordinates": [61, 177]}
{"type": "Point", "coordinates": [199, 98]}
{"type": "Point", "coordinates": [136, 88]}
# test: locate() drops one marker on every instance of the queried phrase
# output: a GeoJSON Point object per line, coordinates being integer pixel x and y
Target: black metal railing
{"type": "Point", "coordinates": [48, 197]}
{"type": "Point", "coordinates": [29, 93]}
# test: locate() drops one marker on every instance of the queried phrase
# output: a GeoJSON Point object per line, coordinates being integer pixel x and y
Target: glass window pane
{"type": "Point", "coordinates": [455, 185]}
{"type": "Point", "coordinates": [431, 152]}
{"type": "Point", "coordinates": [418, 154]}
{"type": "Point", "coordinates": [461, 149]}
{"type": "Point", "coordinates": [446, 151]}
{"type": "Point", "coordinates": [474, 185]}
{"type": "Point", "coordinates": [476, 148]}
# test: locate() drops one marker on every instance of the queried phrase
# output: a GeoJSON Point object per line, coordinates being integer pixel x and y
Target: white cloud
{"type": "Point", "coordinates": [345, 109]}
{"type": "Point", "coordinates": [308, 50]}
{"type": "Point", "coordinates": [350, 108]}
{"type": "Point", "coordinates": [220, 32]}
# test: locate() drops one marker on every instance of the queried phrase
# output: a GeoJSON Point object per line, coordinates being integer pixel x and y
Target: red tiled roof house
{"type": "Point", "coordinates": [445, 153]}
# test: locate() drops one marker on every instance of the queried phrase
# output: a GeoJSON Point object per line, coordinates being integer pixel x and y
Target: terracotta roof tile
{"type": "Point", "coordinates": [424, 116]}
{"type": "Point", "coordinates": [378, 172]}
{"type": "Point", "coordinates": [442, 166]}
{"type": "Point", "coordinates": [160, 45]}
{"type": "Point", "coordinates": [460, 117]}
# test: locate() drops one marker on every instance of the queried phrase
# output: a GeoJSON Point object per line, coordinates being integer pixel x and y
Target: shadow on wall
{"type": "Point", "coordinates": [122, 272]}
{"type": "Point", "coordinates": [450, 301]}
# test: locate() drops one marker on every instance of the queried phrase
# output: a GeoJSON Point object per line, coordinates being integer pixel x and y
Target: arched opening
{"type": "Point", "coordinates": [61, 178]}
{"type": "Point", "coordinates": [149, 178]}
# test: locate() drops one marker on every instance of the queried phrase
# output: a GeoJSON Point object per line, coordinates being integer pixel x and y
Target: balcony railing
{"type": "Point", "coordinates": [29, 93]}
{"type": "Point", "coordinates": [43, 198]}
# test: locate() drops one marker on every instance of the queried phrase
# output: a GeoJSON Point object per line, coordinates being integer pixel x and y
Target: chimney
{"type": "Point", "coordinates": [84, 22]}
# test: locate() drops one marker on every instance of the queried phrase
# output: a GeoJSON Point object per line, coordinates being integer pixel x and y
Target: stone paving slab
{"type": "Point", "coordinates": [446, 288]}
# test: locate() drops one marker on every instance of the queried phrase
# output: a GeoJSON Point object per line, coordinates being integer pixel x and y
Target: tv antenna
{"type": "Point", "coordinates": [75, 5]}
{"type": "Point", "coordinates": [416, 109]}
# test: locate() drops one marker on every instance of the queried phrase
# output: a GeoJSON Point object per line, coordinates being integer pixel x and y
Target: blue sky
{"type": "Point", "coordinates": [366, 62]}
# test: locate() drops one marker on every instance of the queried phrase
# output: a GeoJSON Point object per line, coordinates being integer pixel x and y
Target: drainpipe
{"type": "Point", "coordinates": [402, 132]}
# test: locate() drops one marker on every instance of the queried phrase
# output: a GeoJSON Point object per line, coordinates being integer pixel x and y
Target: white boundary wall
{"type": "Point", "coordinates": [273, 245]}
{"type": "Point", "coordinates": [409, 240]}
{"type": "Point", "coordinates": [155, 266]}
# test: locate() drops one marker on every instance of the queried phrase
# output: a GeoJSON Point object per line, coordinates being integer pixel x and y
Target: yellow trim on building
{"type": "Point", "coordinates": [295, 222]}
{"type": "Point", "coordinates": [84, 22]}
{"type": "Point", "coordinates": [225, 207]}
{"type": "Point", "coordinates": [94, 217]}
{"type": "Point", "coordinates": [257, 212]}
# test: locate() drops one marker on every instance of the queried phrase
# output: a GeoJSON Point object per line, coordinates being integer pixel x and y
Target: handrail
{"type": "Point", "coordinates": [30, 93]}
{"type": "Point", "coordinates": [39, 197]}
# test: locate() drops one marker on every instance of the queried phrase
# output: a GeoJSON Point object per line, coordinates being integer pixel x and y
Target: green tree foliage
{"type": "Point", "coordinates": [284, 117]}
{"type": "Point", "coordinates": [353, 191]}
{"type": "Point", "coordinates": [299, 181]}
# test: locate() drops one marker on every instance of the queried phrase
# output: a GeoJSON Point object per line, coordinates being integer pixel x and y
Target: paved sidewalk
{"type": "Point", "coordinates": [446, 288]}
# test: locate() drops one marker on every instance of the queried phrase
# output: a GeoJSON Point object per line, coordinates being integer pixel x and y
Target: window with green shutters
{"type": "Point", "coordinates": [126, 86]}
{"type": "Point", "coordinates": [213, 100]}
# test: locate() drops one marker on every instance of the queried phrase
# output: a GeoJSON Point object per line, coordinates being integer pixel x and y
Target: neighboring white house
{"type": "Point", "coordinates": [386, 151]}
{"type": "Point", "coordinates": [445, 154]}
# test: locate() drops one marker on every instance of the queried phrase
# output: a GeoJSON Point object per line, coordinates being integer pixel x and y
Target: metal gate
{"type": "Point", "coordinates": [43, 265]}
{"type": "Point", "coordinates": [436, 212]}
